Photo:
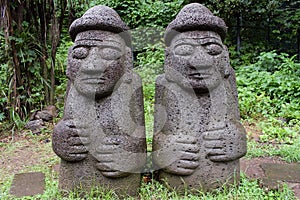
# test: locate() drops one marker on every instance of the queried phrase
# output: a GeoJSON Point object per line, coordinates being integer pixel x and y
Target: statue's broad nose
{"type": "Point", "coordinates": [94, 64]}
{"type": "Point", "coordinates": [200, 60]}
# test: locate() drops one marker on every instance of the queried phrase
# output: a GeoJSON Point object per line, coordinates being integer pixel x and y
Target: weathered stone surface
{"type": "Point", "coordinates": [284, 172]}
{"type": "Point", "coordinates": [28, 184]}
{"type": "Point", "coordinates": [101, 138]}
{"type": "Point", "coordinates": [37, 119]}
{"type": "Point", "coordinates": [278, 174]}
{"type": "Point", "coordinates": [198, 138]}
{"type": "Point", "coordinates": [46, 114]}
{"type": "Point", "coordinates": [35, 126]}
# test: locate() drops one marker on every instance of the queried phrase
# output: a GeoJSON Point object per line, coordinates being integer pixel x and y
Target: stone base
{"type": "Point", "coordinates": [206, 178]}
{"type": "Point", "coordinates": [84, 177]}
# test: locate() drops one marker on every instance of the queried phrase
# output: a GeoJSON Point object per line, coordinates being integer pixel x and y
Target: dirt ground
{"type": "Point", "coordinates": [23, 151]}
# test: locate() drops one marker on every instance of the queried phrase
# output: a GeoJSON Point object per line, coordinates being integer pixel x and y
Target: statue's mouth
{"type": "Point", "coordinates": [199, 75]}
{"type": "Point", "coordinates": [96, 80]}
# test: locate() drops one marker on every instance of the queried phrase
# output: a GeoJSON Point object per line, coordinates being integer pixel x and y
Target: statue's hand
{"type": "Point", "coordinates": [112, 158]}
{"type": "Point", "coordinates": [225, 144]}
{"type": "Point", "coordinates": [179, 154]}
{"type": "Point", "coordinates": [69, 141]}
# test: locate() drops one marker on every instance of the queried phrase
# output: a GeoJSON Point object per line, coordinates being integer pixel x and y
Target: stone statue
{"type": "Point", "coordinates": [101, 138]}
{"type": "Point", "coordinates": [198, 138]}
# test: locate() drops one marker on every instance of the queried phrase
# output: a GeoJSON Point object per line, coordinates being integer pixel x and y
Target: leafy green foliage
{"type": "Point", "coordinates": [265, 25]}
{"type": "Point", "coordinates": [148, 65]}
{"type": "Point", "coordinates": [248, 53]}
{"type": "Point", "coordinates": [60, 74]}
{"type": "Point", "coordinates": [251, 6]}
{"type": "Point", "coordinates": [144, 13]}
{"type": "Point", "coordinates": [270, 90]}
{"type": "Point", "coordinates": [287, 152]}
{"type": "Point", "coordinates": [2, 117]}
{"type": "Point", "coordinates": [31, 89]}
{"type": "Point", "coordinates": [274, 130]}
{"type": "Point", "coordinates": [4, 85]}
{"type": "Point", "coordinates": [271, 86]}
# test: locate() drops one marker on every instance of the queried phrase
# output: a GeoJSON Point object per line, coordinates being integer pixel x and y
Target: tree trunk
{"type": "Point", "coordinates": [55, 36]}
{"type": "Point", "coordinates": [14, 98]}
{"type": "Point", "coordinates": [238, 37]}
{"type": "Point", "coordinates": [55, 33]}
{"type": "Point", "coordinates": [43, 38]}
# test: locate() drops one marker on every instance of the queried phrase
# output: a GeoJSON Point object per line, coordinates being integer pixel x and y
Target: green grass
{"type": "Point", "coordinates": [248, 189]}
{"type": "Point", "coordinates": [287, 152]}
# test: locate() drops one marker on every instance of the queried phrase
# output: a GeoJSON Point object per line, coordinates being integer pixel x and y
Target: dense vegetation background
{"type": "Point", "coordinates": [264, 44]}
{"type": "Point", "coordinates": [263, 40]}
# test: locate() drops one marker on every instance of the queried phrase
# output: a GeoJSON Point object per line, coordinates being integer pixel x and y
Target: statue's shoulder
{"type": "Point", "coordinates": [161, 80]}
{"type": "Point", "coordinates": [136, 80]}
{"type": "Point", "coordinates": [131, 78]}
{"type": "Point", "coordinates": [136, 77]}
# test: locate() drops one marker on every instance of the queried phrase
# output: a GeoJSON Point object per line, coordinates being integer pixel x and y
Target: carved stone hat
{"type": "Point", "coordinates": [192, 17]}
{"type": "Point", "coordinates": [101, 18]}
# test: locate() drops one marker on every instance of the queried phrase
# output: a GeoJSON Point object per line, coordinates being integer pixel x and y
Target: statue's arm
{"type": "Point", "coordinates": [227, 144]}
{"type": "Point", "coordinates": [66, 142]}
{"type": "Point", "coordinates": [173, 152]}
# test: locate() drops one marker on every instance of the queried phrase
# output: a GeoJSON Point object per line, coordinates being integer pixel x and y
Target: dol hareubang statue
{"type": "Point", "coordinates": [198, 138]}
{"type": "Point", "coordinates": [101, 138]}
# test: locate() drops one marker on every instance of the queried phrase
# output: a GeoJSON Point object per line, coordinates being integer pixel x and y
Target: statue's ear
{"type": "Point", "coordinates": [128, 63]}
{"type": "Point", "coordinates": [168, 61]}
{"type": "Point", "coordinates": [70, 72]}
{"type": "Point", "coordinates": [227, 68]}
{"type": "Point", "coordinates": [168, 64]}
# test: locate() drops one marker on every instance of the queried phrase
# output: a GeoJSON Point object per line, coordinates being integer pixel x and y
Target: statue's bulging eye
{"type": "Point", "coordinates": [110, 53]}
{"type": "Point", "coordinates": [80, 52]}
{"type": "Point", "coordinates": [184, 50]}
{"type": "Point", "coordinates": [213, 49]}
